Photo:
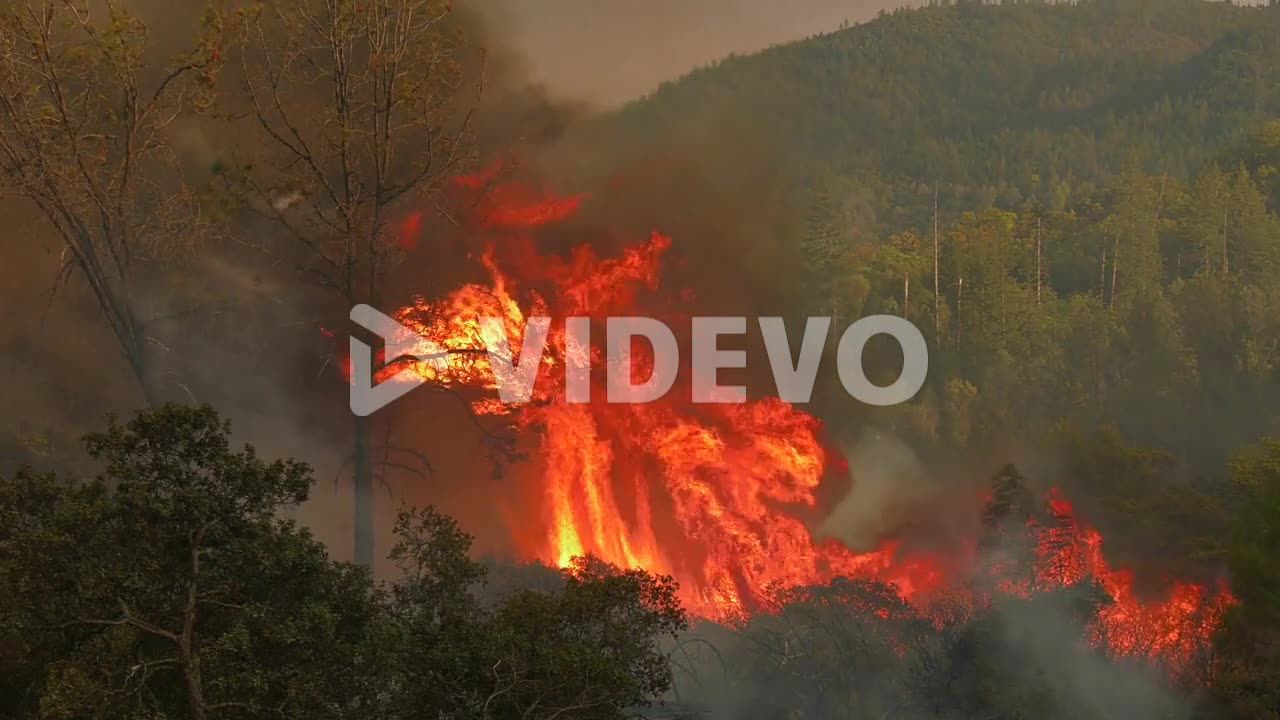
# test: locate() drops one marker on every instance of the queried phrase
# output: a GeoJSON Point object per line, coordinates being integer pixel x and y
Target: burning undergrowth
{"type": "Point", "coordinates": [722, 496]}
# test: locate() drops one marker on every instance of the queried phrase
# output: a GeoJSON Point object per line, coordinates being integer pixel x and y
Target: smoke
{"type": "Point", "coordinates": [888, 486]}
{"type": "Point", "coordinates": [610, 53]}
{"type": "Point", "coordinates": [231, 324]}
{"type": "Point", "coordinates": [1015, 658]}
{"type": "Point", "coordinates": [1040, 644]}
{"type": "Point", "coordinates": [58, 360]}
{"type": "Point", "coordinates": [255, 347]}
{"type": "Point", "coordinates": [234, 305]}
{"type": "Point", "coordinates": [245, 327]}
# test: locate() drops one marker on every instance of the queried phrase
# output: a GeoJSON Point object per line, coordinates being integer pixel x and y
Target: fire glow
{"type": "Point", "coordinates": [701, 492]}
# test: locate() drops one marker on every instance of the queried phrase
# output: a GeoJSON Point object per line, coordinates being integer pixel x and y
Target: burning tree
{"type": "Point", "coordinates": [705, 494]}
{"type": "Point", "coordinates": [363, 108]}
{"type": "Point", "coordinates": [85, 126]}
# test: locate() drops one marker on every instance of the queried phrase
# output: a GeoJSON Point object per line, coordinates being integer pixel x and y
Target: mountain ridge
{"type": "Point", "coordinates": [1003, 104]}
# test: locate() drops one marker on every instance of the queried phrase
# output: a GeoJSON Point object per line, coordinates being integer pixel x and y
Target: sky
{"type": "Point", "coordinates": [611, 51]}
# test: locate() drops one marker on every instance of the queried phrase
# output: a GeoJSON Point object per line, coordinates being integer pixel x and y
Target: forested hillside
{"type": "Point", "coordinates": [1076, 202]}
{"type": "Point", "coordinates": [1100, 280]}
{"type": "Point", "coordinates": [1004, 104]}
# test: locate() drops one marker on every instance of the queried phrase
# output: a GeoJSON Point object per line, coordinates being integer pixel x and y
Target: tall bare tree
{"type": "Point", "coordinates": [85, 120]}
{"type": "Point", "coordinates": [365, 108]}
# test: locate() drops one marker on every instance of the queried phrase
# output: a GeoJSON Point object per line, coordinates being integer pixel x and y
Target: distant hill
{"type": "Point", "coordinates": [998, 104]}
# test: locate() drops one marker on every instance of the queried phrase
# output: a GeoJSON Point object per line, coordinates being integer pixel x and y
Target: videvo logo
{"type": "Point", "coordinates": [515, 380]}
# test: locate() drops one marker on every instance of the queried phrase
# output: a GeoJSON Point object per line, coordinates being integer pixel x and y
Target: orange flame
{"type": "Point", "coordinates": [1174, 628]}
{"type": "Point", "coordinates": [702, 492]}
{"type": "Point", "coordinates": [409, 229]}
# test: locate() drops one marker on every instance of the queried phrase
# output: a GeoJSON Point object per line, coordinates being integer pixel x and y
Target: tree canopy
{"type": "Point", "coordinates": [172, 585]}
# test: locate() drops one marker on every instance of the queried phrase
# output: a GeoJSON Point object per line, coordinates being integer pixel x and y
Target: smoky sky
{"type": "Point", "coordinates": [611, 52]}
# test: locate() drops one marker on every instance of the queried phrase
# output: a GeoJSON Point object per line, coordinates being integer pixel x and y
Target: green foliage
{"type": "Point", "coordinates": [1249, 643]}
{"type": "Point", "coordinates": [1108, 249]}
{"type": "Point", "coordinates": [586, 650]}
{"type": "Point", "coordinates": [171, 585]}
{"type": "Point", "coordinates": [589, 647]}
{"type": "Point", "coordinates": [1126, 311]}
{"type": "Point", "coordinates": [999, 103]}
{"type": "Point", "coordinates": [168, 585]}
{"type": "Point", "coordinates": [832, 650]}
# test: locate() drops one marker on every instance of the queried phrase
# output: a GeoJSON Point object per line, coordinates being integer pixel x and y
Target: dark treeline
{"type": "Point", "coordinates": [172, 585]}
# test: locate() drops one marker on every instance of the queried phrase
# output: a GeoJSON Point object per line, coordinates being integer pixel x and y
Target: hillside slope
{"type": "Point", "coordinates": [998, 104]}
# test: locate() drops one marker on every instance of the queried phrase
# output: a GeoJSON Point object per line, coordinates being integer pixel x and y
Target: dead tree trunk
{"type": "Point", "coordinates": [1102, 277]}
{"type": "Point", "coordinates": [1115, 269]}
{"type": "Point", "coordinates": [1226, 204]}
{"type": "Point", "coordinates": [362, 489]}
{"type": "Point", "coordinates": [937, 294]}
{"type": "Point", "coordinates": [1039, 271]}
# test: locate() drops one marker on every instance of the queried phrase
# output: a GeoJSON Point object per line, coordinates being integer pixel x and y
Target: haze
{"type": "Point", "coordinates": [609, 53]}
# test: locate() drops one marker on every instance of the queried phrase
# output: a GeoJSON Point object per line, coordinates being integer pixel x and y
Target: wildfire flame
{"type": "Point", "coordinates": [1174, 628]}
{"type": "Point", "coordinates": [702, 492]}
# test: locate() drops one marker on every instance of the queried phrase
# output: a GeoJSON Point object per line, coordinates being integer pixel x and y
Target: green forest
{"type": "Point", "coordinates": [1077, 203]}
{"type": "Point", "coordinates": [1077, 200]}
{"type": "Point", "coordinates": [1011, 104]}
